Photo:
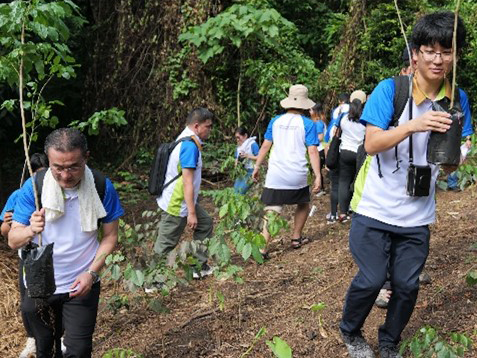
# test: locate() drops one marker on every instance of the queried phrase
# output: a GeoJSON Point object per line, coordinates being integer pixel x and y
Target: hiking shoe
{"type": "Point", "coordinates": [155, 287]}
{"type": "Point", "coordinates": [205, 271]}
{"type": "Point", "coordinates": [331, 220]}
{"type": "Point", "coordinates": [30, 348]}
{"type": "Point", "coordinates": [320, 193]}
{"type": "Point", "coordinates": [383, 298]}
{"type": "Point", "coordinates": [389, 352]}
{"type": "Point", "coordinates": [424, 278]}
{"type": "Point", "coordinates": [357, 346]}
{"type": "Point", "coordinates": [343, 218]}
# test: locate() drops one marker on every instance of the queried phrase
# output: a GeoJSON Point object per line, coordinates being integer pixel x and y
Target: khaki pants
{"type": "Point", "coordinates": [171, 228]}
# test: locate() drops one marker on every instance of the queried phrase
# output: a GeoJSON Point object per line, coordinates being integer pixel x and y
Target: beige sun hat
{"type": "Point", "coordinates": [297, 98]}
{"type": "Point", "coordinates": [358, 94]}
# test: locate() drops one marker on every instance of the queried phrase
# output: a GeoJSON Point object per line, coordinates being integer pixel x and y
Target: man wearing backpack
{"type": "Point", "coordinates": [178, 200]}
{"type": "Point", "coordinates": [390, 227]}
{"type": "Point", "coordinates": [72, 208]}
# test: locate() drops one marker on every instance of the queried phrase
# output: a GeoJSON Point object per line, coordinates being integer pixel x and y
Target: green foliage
{"type": "Point", "coordinates": [253, 55]}
{"type": "Point", "coordinates": [262, 331]}
{"type": "Point", "coordinates": [112, 117]}
{"type": "Point", "coordinates": [239, 225]}
{"type": "Point", "coordinates": [428, 343]}
{"type": "Point", "coordinates": [34, 36]}
{"type": "Point", "coordinates": [280, 348]}
{"type": "Point", "coordinates": [121, 353]}
{"type": "Point", "coordinates": [471, 278]}
{"type": "Point", "coordinates": [132, 187]}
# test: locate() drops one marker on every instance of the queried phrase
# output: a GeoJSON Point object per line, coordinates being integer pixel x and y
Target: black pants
{"type": "Point", "coordinates": [377, 247]}
{"type": "Point", "coordinates": [77, 316]}
{"type": "Point", "coordinates": [322, 165]}
{"type": "Point", "coordinates": [334, 180]}
{"type": "Point", "coordinates": [21, 288]}
{"type": "Point", "coordinates": [347, 174]}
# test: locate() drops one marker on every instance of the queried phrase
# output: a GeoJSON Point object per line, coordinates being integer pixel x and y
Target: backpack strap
{"type": "Point", "coordinates": [189, 139]}
{"type": "Point", "coordinates": [401, 96]}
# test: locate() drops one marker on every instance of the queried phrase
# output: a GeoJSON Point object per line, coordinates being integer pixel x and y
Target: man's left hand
{"type": "Point", "coordinates": [82, 285]}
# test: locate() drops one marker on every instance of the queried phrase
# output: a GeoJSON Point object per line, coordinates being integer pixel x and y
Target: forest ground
{"type": "Point", "coordinates": [277, 295]}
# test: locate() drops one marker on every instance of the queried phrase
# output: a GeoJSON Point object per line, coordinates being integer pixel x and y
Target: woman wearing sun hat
{"type": "Point", "coordinates": [292, 135]}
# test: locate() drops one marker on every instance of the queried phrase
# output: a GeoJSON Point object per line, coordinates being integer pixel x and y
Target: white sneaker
{"type": "Point", "coordinates": [205, 271]}
{"type": "Point", "coordinates": [30, 348]}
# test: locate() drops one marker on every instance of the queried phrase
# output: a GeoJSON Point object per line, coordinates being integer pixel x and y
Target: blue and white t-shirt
{"type": "Point", "coordinates": [185, 155]}
{"type": "Point", "coordinates": [384, 197]}
{"type": "Point", "coordinates": [74, 250]}
{"type": "Point", "coordinates": [291, 134]}
{"type": "Point", "coordinates": [250, 148]}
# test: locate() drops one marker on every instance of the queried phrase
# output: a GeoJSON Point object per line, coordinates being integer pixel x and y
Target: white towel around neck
{"type": "Point", "coordinates": [91, 207]}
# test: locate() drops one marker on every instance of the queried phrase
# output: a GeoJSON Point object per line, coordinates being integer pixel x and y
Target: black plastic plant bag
{"type": "Point", "coordinates": [39, 271]}
{"type": "Point", "coordinates": [444, 148]}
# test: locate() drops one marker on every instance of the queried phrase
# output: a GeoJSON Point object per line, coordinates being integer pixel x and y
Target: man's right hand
{"type": "Point", "coordinates": [256, 174]}
{"type": "Point", "coordinates": [37, 221]}
{"type": "Point", "coordinates": [431, 121]}
{"type": "Point", "coordinates": [192, 221]}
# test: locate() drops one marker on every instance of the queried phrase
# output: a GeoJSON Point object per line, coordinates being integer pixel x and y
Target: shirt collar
{"type": "Point", "coordinates": [419, 96]}
{"type": "Point", "coordinates": [187, 132]}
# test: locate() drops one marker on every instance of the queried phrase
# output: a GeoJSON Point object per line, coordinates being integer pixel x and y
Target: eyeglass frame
{"type": "Point", "coordinates": [443, 55]}
{"type": "Point", "coordinates": [71, 170]}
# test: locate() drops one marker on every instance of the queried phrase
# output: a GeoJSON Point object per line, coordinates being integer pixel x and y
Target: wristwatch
{"type": "Point", "coordinates": [94, 275]}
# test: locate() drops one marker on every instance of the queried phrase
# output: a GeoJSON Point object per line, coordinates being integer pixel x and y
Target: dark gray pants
{"type": "Point", "coordinates": [375, 246]}
{"type": "Point", "coordinates": [346, 177]}
{"type": "Point", "coordinates": [77, 316]}
{"type": "Point", "coordinates": [171, 228]}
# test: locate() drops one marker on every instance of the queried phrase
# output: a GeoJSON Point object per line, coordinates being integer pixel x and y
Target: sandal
{"type": "Point", "coordinates": [296, 243]}
{"type": "Point", "coordinates": [305, 240]}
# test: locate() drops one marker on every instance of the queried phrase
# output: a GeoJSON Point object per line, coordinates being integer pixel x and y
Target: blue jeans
{"type": "Point", "coordinates": [242, 185]}
{"type": "Point", "coordinates": [452, 180]}
{"type": "Point", "coordinates": [375, 247]}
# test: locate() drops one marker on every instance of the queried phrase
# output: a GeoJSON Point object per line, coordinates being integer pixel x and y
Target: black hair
{"type": "Point", "coordinates": [343, 97]}
{"type": "Point", "coordinates": [405, 56]}
{"type": "Point", "coordinates": [199, 115]}
{"type": "Point", "coordinates": [438, 28]}
{"type": "Point", "coordinates": [37, 161]}
{"type": "Point", "coordinates": [241, 131]}
{"type": "Point", "coordinates": [355, 110]}
{"type": "Point", "coordinates": [318, 108]}
{"type": "Point", "coordinates": [66, 140]}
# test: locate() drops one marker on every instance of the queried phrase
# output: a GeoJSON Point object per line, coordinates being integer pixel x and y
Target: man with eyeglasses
{"type": "Point", "coordinates": [390, 227]}
{"type": "Point", "coordinates": [71, 211]}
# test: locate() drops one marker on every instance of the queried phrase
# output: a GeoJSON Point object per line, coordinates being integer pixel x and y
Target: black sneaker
{"type": "Point", "coordinates": [389, 352]}
{"type": "Point", "coordinates": [357, 346]}
{"type": "Point", "coordinates": [206, 270]}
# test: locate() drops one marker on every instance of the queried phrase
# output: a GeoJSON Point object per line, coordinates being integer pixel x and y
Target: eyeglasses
{"type": "Point", "coordinates": [431, 55]}
{"type": "Point", "coordinates": [74, 169]}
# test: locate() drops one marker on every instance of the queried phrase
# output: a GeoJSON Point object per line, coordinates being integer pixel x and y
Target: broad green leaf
{"type": "Point", "coordinates": [280, 348]}
{"type": "Point", "coordinates": [247, 251]}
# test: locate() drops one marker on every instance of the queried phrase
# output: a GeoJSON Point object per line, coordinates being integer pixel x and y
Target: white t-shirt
{"type": "Point", "coordinates": [185, 155]}
{"type": "Point", "coordinates": [291, 134]}
{"type": "Point", "coordinates": [352, 134]}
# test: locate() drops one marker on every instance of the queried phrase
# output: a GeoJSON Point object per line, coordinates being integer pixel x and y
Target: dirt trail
{"type": "Point", "coordinates": [277, 296]}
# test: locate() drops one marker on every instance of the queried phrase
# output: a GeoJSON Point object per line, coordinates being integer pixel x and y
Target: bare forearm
{"type": "Point", "coordinates": [188, 175]}
{"type": "Point", "coordinates": [378, 140]}
{"type": "Point", "coordinates": [19, 236]}
{"type": "Point", "coordinates": [315, 160]}
{"type": "Point", "coordinates": [4, 229]}
{"type": "Point", "coordinates": [262, 154]}
{"type": "Point", "coordinates": [106, 247]}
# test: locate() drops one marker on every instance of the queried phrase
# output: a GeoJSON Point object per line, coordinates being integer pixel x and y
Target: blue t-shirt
{"type": "Point", "coordinates": [380, 116]}
{"type": "Point", "coordinates": [320, 127]}
{"type": "Point", "coordinates": [25, 204]}
{"type": "Point", "coordinates": [189, 155]}
{"type": "Point", "coordinates": [10, 204]}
